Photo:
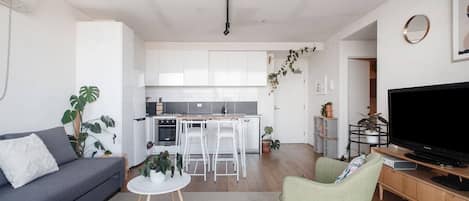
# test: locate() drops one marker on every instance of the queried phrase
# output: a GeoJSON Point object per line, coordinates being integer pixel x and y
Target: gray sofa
{"type": "Point", "coordinates": [77, 179]}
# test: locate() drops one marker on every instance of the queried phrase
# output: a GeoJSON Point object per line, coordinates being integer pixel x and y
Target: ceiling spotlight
{"type": "Point", "coordinates": [227, 23]}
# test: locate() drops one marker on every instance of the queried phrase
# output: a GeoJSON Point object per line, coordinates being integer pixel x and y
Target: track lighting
{"type": "Point", "coordinates": [227, 23]}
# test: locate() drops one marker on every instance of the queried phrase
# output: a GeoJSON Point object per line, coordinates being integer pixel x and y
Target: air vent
{"type": "Point", "coordinates": [24, 6]}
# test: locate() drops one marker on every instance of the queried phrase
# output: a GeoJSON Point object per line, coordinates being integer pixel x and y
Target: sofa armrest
{"type": "Point", "coordinates": [301, 189]}
{"type": "Point", "coordinates": [328, 169]}
{"type": "Point", "coordinates": [125, 164]}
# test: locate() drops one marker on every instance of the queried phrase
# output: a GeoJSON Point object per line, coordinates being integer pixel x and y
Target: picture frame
{"type": "Point", "coordinates": [320, 86]}
{"type": "Point", "coordinates": [460, 30]}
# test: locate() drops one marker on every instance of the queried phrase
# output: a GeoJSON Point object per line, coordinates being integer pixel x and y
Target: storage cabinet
{"type": "Point", "coordinates": [195, 65]}
{"type": "Point", "coordinates": [416, 185]}
{"type": "Point", "coordinates": [256, 63]}
{"type": "Point", "coordinates": [325, 135]}
{"type": "Point", "coordinates": [171, 69]}
{"type": "Point", "coordinates": [204, 68]}
{"type": "Point", "coordinates": [252, 134]}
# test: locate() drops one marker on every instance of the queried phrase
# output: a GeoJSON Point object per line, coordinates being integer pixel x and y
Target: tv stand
{"type": "Point", "coordinates": [429, 182]}
{"type": "Point", "coordinates": [453, 181]}
{"type": "Point", "coordinates": [435, 159]}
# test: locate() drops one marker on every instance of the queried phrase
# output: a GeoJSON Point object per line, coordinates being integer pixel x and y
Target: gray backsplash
{"type": "Point", "coordinates": [210, 107]}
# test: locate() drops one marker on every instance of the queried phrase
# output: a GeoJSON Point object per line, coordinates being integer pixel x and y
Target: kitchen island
{"type": "Point", "coordinates": [252, 126]}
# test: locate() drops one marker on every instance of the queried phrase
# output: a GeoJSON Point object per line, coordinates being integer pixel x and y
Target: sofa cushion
{"type": "Point", "coordinates": [24, 159]}
{"type": "Point", "coordinates": [351, 168]}
{"type": "Point", "coordinates": [72, 181]}
{"type": "Point", "coordinates": [56, 141]}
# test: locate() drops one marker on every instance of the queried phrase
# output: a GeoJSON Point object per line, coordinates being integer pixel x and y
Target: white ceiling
{"type": "Point", "coordinates": [251, 20]}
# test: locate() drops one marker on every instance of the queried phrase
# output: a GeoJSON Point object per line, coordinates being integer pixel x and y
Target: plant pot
{"type": "Point", "coordinates": [265, 146]}
{"type": "Point", "coordinates": [157, 177]}
{"type": "Point", "coordinates": [372, 136]}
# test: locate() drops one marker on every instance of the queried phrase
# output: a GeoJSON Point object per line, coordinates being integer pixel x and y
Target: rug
{"type": "Point", "coordinates": [207, 196]}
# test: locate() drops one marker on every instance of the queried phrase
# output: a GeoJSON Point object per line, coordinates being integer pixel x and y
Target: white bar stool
{"type": "Point", "coordinates": [226, 130]}
{"type": "Point", "coordinates": [192, 131]}
{"type": "Point", "coordinates": [242, 131]}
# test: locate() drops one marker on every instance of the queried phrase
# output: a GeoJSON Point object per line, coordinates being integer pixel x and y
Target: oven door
{"type": "Point", "coordinates": [166, 134]}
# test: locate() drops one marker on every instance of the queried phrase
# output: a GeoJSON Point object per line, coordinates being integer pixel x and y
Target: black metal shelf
{"type": "Point", "coordinates": [357, 135]}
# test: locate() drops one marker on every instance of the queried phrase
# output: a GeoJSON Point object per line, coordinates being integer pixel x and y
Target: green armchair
{"type": "Point", "coordinates": [360, 186]}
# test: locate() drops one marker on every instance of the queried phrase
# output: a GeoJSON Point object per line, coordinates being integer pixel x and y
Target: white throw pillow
{"type": "Point", "coordinates": [24, 159]}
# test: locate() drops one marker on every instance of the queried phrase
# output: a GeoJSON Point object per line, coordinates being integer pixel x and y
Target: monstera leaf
{"type": "Point", "coordinates": [69, 116]}
{"type": "Point", "coordinates": [94, 127]}
{"type": "Point", "coordinates": [108, 121]}
{"type": "Point", "coordinates": [89, 93]}
{"type": "Point", "coordinates": [78, 103]}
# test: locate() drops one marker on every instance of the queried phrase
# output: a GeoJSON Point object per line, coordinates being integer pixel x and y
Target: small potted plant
{"type": "Point", "coordinates": [326, 110]}
{"type": "Point", "coordinates": [267, 142]}
{"type": "Point", "coordinates": [156, 167]}
{"type": "Point", "coordinates": [371, 124]}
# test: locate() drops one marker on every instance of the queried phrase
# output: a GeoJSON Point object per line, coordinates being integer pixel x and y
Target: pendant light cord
{"type": "Point", "coordinates": [7, 73]}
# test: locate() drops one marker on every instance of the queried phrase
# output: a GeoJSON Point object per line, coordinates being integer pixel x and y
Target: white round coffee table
{"type": "Point", "coordinates": [142, 186]}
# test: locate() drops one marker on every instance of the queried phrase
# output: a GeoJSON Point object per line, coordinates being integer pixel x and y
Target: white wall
{"type": "Point", "coordinates": [399, 64]}
{"type": "Point", "coordinates": [42, 67]}
{"type": "Point", "coordinates": [99, 62]}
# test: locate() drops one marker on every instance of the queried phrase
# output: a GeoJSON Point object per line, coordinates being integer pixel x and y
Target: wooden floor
{"type": "Point", "coordinates": [265, 173]}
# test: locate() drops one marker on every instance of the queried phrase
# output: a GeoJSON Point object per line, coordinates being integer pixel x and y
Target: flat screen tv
{"type": "Point", "coordinates": [433, 121]}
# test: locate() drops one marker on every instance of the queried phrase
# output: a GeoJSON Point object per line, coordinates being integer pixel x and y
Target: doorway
{"type": "Point", "coordinates": [361, 88]}
{"type": "Point", "coordinates": [362, 81]}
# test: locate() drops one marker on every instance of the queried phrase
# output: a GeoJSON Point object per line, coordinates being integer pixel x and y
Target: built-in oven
{"type": "Point", "coordinates": [166, 132]}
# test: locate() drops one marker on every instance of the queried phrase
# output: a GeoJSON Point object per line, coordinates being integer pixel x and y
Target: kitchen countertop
{"type": "Point", "coordinates": [203, 116]}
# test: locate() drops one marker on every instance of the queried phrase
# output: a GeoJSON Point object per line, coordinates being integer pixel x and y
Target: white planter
{"type": "Point", "coordinates": [372, 137]}
{"type": "Point", "coordinates": [157, 177]}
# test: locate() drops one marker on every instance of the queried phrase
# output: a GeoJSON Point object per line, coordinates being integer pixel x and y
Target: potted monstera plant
{"type": "Point", "coordinates": [156, 167]}
{"type": "Point", "coordinates": [371, 124]}
{"type": "Point", "coordinates": [84, 130]}
{"type": "Point", "coordinates": [267, 142]}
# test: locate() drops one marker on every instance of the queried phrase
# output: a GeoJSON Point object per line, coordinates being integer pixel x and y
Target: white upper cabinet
{"type": "Point", "coordinates": [152, 63]}
{"type": "Point", "coordinates": [195, 68]}
{"type": "Point", "coordinates": [256, 69]}
{"type": "Point", "coordinates": [204, 68]}
{"type": "Point", "coordinates": [236, 68]}
{"type": "Point", "coordinates": [171, 68]}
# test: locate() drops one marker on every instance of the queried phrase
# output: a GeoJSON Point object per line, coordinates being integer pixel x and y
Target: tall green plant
{"type": "Point", "coordinates": [83, 130]}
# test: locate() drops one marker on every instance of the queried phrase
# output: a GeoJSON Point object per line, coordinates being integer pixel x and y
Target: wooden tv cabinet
{"type": "Point", "coordinates": [416, 185]}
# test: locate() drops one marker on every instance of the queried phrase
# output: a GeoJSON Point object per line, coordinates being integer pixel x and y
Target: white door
{"type": "Point", "coordinates": [290, 108]}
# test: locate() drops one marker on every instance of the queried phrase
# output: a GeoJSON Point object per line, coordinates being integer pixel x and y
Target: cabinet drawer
{"type": "Point", "coordinates": [392, 179]}
{"type": "Point", "coordinates": [450, 197]}
{"type": "Point", "coordinates": [410, 187]}
{"type": "Point", "coordinates": [429, 193]}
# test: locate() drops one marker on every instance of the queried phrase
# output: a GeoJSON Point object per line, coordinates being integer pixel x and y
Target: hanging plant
{"type": "Point", "coordinates": [288, 65]}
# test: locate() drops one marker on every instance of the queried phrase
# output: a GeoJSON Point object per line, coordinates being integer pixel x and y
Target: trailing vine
{"type": "Point", "coordinates": [292, 58]}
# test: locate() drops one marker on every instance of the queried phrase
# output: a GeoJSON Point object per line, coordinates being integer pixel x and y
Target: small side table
{"type": "Point", "coordinates": [142, 186]}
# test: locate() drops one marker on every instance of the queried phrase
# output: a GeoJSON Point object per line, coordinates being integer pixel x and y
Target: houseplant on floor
{"type": "Point", "coordinates": [156, 167]}
{"type": "Point", "coordinates": [267, 142]}
{"type": "Point", "coordinates": [371, 124]}
{"type": "Point", "coordinates": [84, 130]}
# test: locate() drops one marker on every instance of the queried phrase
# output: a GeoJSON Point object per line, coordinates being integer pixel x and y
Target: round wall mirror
{"type": "Point", "coordinates": [416, 28]}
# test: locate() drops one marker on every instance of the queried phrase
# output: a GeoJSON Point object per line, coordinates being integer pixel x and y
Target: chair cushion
{"type": "Point", "coordinates": [73, 180]}
{"type": "Point", "coordinates": [25, 159]}
{"type": "Point", "coordinates": [351, 168]}
{"type": "Point", "coordinates": [56, 141]}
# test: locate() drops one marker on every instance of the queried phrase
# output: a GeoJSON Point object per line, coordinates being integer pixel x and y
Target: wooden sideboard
{"type": "Point", "coordinates": [416, 185]}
